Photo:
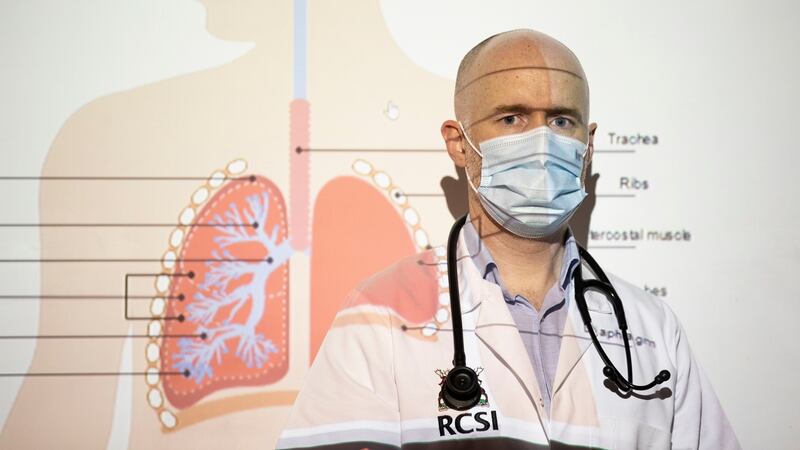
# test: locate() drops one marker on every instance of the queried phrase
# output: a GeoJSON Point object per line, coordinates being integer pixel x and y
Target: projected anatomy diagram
{"type": "Point", "coordinates": [231, 282]}
{"type": "Point", "coordinates": [217, 221]}
{"type": "Point", "coordinates": [246, 202]}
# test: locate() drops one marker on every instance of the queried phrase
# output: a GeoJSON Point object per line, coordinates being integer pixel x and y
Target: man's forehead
{"type": "Point", "coordinates": [518, 51]}
{"type": "Point", "coordinates": [522, 68]}
{"type": "Point", "coordinates": [525, 91]}
{"type": "Point", "coordinates": [545, 72]}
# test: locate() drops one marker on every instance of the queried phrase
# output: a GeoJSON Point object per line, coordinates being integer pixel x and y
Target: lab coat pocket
{"type": "Point", "coordinates": [628, 433]}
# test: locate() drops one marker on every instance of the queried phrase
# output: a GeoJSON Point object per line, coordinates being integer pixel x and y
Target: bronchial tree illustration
{"type": "Point", "coordinates": [229, 285]}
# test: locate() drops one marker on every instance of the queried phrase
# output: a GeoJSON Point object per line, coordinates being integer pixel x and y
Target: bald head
{"type": "Point", "coordinates": [522, 50]}
{"type": "Point", "coordinates": [507, 85]}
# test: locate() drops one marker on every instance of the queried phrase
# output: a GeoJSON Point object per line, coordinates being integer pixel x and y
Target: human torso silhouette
{"type": "Point", "coordinates": [195, 125]}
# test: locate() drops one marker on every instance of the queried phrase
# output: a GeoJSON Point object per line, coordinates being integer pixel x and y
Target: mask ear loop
{"type": "Point", "coordinates": [584, 167]}
{"type": "Point", "coordinates": [464, 132]}
{"type": "Point", "coordinates": [469, 178]}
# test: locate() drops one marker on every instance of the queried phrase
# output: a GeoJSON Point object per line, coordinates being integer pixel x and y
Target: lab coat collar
{"type": "Point", "coordinates": [499, 336]}
{"type": "Point", "coordinates": [494, 327]}
{"type": "Point", "coordinates": [486, 264]}
{"type": "Point", "coordinates": [576, 340]}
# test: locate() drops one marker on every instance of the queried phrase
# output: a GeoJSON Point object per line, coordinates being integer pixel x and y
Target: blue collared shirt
{"type": "Point", "coordinates": [541, 331]}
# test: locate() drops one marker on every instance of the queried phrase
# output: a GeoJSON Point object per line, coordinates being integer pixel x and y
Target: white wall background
{"type": "Point", "coordinates": [715, 80]}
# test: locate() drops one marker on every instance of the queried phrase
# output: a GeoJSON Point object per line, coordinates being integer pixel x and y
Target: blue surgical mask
{"type": "Point", "coordinates": [530, 182]}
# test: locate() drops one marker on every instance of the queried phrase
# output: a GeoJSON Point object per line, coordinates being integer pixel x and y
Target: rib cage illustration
{"type": "Point", "coordinates": [235, 288]}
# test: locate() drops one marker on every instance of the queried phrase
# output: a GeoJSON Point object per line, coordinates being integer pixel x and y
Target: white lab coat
{"type": "Point", "coordinates": [373, 384]}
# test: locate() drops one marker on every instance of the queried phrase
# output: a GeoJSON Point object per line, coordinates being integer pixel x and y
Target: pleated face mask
{"type": "Point", "coordinates": [530, 182]}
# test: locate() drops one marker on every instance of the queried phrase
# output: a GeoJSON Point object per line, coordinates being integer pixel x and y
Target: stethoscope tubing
{"type": "Point", "coordinates": [602, 284]}
{"type": "Point", "coordinates": [459, 358]}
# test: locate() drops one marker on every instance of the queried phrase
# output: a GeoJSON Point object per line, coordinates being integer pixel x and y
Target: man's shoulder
{"type": "Point", "coordinates": [643, 304]}
{"type": "Point", "coordinates": [409, 287]}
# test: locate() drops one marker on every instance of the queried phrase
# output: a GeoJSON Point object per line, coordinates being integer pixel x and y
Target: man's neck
{"type": "Point", "coordinates": [528, 267]}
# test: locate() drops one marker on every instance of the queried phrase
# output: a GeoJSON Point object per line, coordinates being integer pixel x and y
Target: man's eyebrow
{"type": "Point", "coordinates": [516, 107]}
{"type": "Point", "coordinates": [527, 109]}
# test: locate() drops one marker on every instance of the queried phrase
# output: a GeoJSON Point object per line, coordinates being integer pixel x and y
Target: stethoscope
{"type": "Point", "coordinates": [461, 388]}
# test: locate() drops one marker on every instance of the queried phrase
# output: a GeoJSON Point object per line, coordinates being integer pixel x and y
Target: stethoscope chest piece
{"type": "Point", "coordinates": [461, 389]}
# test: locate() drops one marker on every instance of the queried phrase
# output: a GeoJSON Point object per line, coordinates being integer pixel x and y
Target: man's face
{"type": "Point", "coordinates": [518, 100]}
{"type": "Point", "coordinates": [518, 82]}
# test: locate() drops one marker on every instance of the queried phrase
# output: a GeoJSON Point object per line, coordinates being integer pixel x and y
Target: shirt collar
{"type": "Point", "coordinates": [486, 265]}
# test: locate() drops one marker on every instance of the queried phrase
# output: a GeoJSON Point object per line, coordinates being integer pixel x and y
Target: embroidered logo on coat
{"type": "Point", "coordinates": [467, 423]}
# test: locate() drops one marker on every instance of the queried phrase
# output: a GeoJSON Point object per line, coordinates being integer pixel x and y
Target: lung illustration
{"type": "Point", "coordinates": [356, 232]}
{"type": "Point", "coordinates": [223, 299]}
{"type": "Point", "coordinates": [233, 277]}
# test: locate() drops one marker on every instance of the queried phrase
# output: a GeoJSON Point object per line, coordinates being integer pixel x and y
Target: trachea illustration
{"type": "Point", "coordinates": [231, 275]}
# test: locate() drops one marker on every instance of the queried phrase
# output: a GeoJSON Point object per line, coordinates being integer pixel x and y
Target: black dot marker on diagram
{"type": "Point", "coordinates": [269, 260]}
{"type": "Point", "coordinates": [181, 318]}
{"type": "Point", "coordinates": [186, 373]}
{"type": "Point", "coordinates": [204, 335]}
{"type": "Point", "coordinates": [255, 225]}
{"type": "Point", "coordinates": [181, 297]}
{"type": "Point", "coordinates": [252, 178]}
{"type": "Point", "coordinates": [298, 149]}
{"type": "Point", "coordinates": [191, 274]}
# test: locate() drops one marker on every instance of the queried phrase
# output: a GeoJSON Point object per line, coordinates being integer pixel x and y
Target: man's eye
{"type": "Point", "coordinates": [561, 122]}
{"type": "Point", "coordinates": [510, 120]}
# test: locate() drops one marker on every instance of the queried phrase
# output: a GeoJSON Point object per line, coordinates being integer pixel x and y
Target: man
{"type": "Point", "coordinates": [521, 103]}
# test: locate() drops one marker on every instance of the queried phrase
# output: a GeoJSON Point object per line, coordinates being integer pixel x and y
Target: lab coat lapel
{"type": "Point", "coordinates": [576, 340]}
{"type": "Point", "coordinates": [497, 332]}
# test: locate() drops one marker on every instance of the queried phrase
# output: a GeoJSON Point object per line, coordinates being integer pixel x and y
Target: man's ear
{"type": "Point", "coordinates": [587, 158]}
{"type": "Point", "coordinates": [451, 133]}
{"type": "Point", "coordinates": [590, 151]}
